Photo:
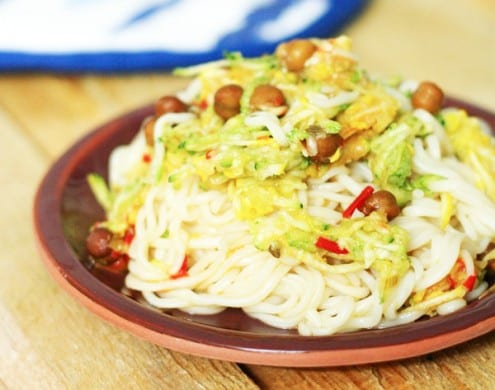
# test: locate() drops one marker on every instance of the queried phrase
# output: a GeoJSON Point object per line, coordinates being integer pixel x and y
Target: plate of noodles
{"type": "Point", "coordinates": [288, 210]}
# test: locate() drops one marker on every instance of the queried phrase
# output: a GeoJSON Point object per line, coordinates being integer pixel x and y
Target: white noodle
{"type": "Point", "coordinates": [225, 267]}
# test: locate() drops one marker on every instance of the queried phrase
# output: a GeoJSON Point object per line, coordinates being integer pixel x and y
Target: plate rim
{"type": "Point", "coordinates": [218, 343]}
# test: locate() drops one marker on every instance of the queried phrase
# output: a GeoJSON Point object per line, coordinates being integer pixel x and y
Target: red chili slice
{"type": "Point", "coordinates": [331, 246]}
{"type": "Point", "coordinates": [209, 154]}
{"type": "Point", "coordinates": [182, 270]}
{"type": "Point", "coordinates": [469, 282]}
{"type": "Point", "coordinates": [129, 235]}
{"type": "Point", "coordinates": [452, 282]}
{"type": "Point", "coordinates": [202, 104]}
{"type": "Point", "coordinates": [358, 201]}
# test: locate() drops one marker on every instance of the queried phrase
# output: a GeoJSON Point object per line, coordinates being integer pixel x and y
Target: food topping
{"type": "Point", "coordinates": [428, 96]}
{"type": "Point", "coordinates": [267, 97]}
{"type": "Point", "coordinates": [320, 145]}
{"type": "Point", "coordinates": [148, 127]}
{"type": "Point", "coordinates": [227, 101]}
{"type": "Point", "coordinates": [167, 104]}
{"type": "Point", "coordinates": [358, 202]}
{"type": "Point", "coordinates": [295, 53]}
{"type": "Point", "coordinates": [330, 246]}
{"type": "Point", "coordinates": [98, 242]}
{"type": "Point", "coordinates": [381, 201]}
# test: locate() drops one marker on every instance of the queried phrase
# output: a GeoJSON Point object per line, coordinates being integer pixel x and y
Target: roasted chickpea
{"type": "Point", "coordinates": [327, 146]}
{"type": "Point", "coordinates": [227, 101]}
{"type": "Point", "coordinates": [266, 97]}
{"type": "Point", "coordinates": [382, 201]}
{"type": "Point", "coordinates": [98, 242]}
{"type": "Point", "coordinates": [294, 54]}
{"type": "Point", "coordinates": [148, 127]}
{"type": "Point", "coordinates": [321, 145]}
{"type": "Point", "coordinates": [428, 96]}
{"type": "Point", "coordinates": [168, 104]}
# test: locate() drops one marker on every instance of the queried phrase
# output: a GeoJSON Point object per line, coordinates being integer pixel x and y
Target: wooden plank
{"type": "Point", "coordinates": [54, 111]}
{"type": "Point", "coordinates": [468, 366]}
{"type": "Point", "coordinates": [47, 340]}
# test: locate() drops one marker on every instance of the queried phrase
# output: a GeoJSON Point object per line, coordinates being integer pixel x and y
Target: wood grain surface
{"type": "Point", "coordinates": [48, 341]}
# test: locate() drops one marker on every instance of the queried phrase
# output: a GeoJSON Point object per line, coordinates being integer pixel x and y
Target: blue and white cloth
{"type": "Point", "coordinates": [150, 35]}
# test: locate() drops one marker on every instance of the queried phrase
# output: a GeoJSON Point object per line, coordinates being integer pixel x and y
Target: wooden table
{"type": "Point", "coordinates": [49, 341]}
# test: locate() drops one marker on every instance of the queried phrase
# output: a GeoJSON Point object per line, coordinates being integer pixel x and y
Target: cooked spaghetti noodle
{"type": "Point", "coordinates": [331, 202]}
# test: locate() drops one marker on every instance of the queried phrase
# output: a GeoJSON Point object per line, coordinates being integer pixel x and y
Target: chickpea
{"type": "Point", "coordinates": [266, 97]}
{"type": "Point", "coordinates": [428, 96]}
{"type": "Point", "coordinates": [148, 127]}
{"type": "Point", "coordinates": [294, 54]}
{"type": "Point", "coordinates": [325, 145]}
{"type": "Point", "coordinates": [98, 242]}
{"type": "Point", "coordinates": [227, 101]}
{"type": "Point", "coordinates": [382, 201]}
{"type": "Point", "coordinates": [164, 105]}
{"type": "Point", "coordinates": [168, 104]}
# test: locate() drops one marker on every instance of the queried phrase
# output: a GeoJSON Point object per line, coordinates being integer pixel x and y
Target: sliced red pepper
{"type": "Point", "coordinates": [469, 282]}
{"type": "Point", "coordinates": [129, 235]}
{"type": "Point", "coordinates": [146, 158]}
{"type": "Point", "coordinates": [182, 270]}
{"type": "Point", "coordinates": [209, 154]}
{"type": "Point", "coordinates": [331, 246]}
{"type": "Point", "coordinates": [452, 282]}
{"type": "Point", "coordinates": [455, 276]}
{"type": "Point", "coordinates": [202, 104]}
{"type": "Point", "coordinates": [358, 201]}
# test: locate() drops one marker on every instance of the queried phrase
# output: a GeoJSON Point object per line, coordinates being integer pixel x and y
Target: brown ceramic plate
{"type": "Point", "coordinates": [64, 208]}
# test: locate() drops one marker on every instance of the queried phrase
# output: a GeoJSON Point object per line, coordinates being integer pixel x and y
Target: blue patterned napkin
{"type": "Point", "coordinates": [149, 35]}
